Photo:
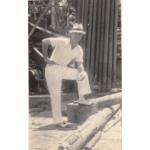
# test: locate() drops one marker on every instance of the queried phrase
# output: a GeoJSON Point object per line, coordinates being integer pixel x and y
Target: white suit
{"type": "Point", "coordinates": [62, 55]}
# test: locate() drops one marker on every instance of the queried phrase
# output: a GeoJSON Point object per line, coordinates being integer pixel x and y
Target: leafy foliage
{"type": "Point", "coordinates": [63, 13]}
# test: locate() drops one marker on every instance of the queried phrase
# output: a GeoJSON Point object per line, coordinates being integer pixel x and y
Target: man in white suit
{"type": "Point", "coordinates": [66, 50]}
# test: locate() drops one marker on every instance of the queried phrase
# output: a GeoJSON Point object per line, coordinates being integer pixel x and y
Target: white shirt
{"type": "Point", "coordinates": [63, 54]}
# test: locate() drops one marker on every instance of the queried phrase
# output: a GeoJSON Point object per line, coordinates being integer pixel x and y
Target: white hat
{"type": "Point", "coordinates": [77, 28]}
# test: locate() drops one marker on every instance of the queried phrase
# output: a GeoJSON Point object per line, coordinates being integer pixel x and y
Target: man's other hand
{"type": "Point", "coordinates": [81, 76]}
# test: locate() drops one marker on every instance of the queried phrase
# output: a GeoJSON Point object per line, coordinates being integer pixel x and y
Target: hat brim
{"type": "Point", "coordinates": [77, 31]}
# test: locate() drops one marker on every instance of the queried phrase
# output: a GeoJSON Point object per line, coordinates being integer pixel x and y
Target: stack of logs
{"type": "Point", "coordinates": [90, 132]}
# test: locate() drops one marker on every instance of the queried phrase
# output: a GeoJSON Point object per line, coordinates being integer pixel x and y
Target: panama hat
{"type": "Point", "coordinates": [77, 28]}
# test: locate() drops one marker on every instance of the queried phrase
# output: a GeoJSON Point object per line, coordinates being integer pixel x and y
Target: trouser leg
{"type": "Point", "coordinates": [54, 85]}
{"type": "Point", "coordinates": [84, 86]}
{"type": "Point", "coordinates": [54, 76]}
{"type": "Point", "coordinates": [72, 74]}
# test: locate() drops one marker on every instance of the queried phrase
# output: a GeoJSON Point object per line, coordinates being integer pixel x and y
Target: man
{"type": "Point", "coordinates": [66, 50]}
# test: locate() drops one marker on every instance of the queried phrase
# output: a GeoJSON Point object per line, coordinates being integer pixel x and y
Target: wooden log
{"type": "Point", "coordinates": [79, 138]}
{"type": "Point", "coordinates": [108, 100]}
{"type": "Point", "coordinates": [98, 135]}
{"type": "Point", "coordinates": [92, 142]}
{"type": "Point", "coordinates": [80, 113]}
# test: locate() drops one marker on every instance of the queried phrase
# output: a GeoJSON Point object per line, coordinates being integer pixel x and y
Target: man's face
{"type": "Point", "coordinates": [76, 36]}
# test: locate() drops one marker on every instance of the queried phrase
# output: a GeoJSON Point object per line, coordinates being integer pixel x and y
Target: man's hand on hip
{"type": "Point", "coordinates": [49, 62]}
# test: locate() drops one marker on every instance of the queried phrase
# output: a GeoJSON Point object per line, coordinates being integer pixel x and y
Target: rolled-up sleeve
{"type": "Point", "coordinates": [55, 42]}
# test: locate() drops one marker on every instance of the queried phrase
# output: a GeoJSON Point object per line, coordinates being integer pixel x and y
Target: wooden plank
{"type": "Point", "coordinates": [93, 40]}
{"type": "Point", "coordinates": [44, 30]}
{"type": "Point", "coordinates": [109, 75]}
{"type": "Point", "coordinates": [35, 97]}
{"type": "Point", "coordinates": [115, 45]}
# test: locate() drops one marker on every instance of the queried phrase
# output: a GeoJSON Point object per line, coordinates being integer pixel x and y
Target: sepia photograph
{"type": "Point", "coordinates": [75, 74]}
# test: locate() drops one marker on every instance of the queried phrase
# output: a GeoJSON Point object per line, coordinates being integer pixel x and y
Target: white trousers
{"type": "Point", "coordinates": [54, 75]}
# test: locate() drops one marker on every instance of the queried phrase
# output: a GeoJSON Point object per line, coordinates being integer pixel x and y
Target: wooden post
{"type": "Point", "coordinates": [109, 75]}
{"type": "Point", "coordinates": [115, 45]}
{"type": "Point", "coordinates": [104, 73]}
{"type": "Point", "coordinates": [101, 43]}
{"type": "Point", "coordinates": [93, 40]}
{"type": "Point", "coordinates": [53, 14]}
{"type": "Point", "coordinates": [97, 59]}
{"type": "Point", "coordinates": [85, 21]}
{"type": "Point", "coordinates": [78, 10]}
{"type": "Point", "coordinates": [89, 38]}
{"type": "Point", "coordinates": [82, 10]}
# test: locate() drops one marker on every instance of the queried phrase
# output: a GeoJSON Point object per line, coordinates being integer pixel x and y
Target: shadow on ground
{"type": "Point", "coordinates": [54, 127]}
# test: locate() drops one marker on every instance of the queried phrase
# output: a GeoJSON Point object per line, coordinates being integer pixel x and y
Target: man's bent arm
{"type": "Point", "coordinates": [80, 67]}
{"type": "Point", "coordinates": [45, 45]}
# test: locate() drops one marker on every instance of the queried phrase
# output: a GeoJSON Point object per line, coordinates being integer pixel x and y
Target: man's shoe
{"type": "Point", "coordinates": [84, 102]}
{"type": "Point", "coordinates": [67, 125]}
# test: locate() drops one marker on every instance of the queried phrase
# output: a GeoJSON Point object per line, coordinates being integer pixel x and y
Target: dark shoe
{"type": "Point", "coordinates": [67, 125]}
{"type": "Point", "coordinates": [84, 102]}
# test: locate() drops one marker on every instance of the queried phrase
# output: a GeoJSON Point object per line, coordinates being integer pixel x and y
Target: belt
{"type": "Point", "coordinates": [51, 63]}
